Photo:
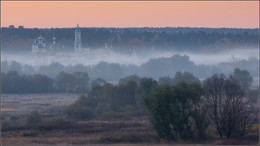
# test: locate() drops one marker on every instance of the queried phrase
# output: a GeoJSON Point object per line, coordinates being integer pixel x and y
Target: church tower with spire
{"type": "Point", "coordinates": [77, 43]}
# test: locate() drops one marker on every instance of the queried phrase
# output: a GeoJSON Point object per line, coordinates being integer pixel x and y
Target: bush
{"type": "Point", "coordinates": [14, 121]}
{"type": "Point", "coordinates": [102, 108]}
{"type": "Point", "coordinates": [80, 112]}
{"type": "Point", "coordinates": [34, 118]}
{"type": "Point", "coordinates": [110, 115]}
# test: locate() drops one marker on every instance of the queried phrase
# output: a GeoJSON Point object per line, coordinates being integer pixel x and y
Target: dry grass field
{"type": "Point", "coordinates": [81, 133]}
{"type": "Point", "coordinates": [122, 132]}
{"type": "Point", "coordinates": [20, 104]}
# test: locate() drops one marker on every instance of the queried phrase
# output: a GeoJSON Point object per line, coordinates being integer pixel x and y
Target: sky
{"type": "Point", "coordinates": [50, 14]}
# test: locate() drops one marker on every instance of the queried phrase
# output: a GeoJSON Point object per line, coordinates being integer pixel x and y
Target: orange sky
{"type": "Point", "coordinates": [45, 14]}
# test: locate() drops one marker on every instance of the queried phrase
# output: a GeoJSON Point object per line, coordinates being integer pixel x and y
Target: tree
{"type": "Point", "coordinates": [174, 110]}
{"type": "Point", "coordinates": [41, 84]}
{"type": "Point", "coordinates": [98, 82]}
{"type": "Point", "coordinates": [126, 93]}
{"type": "Point", "coordinates": [199, 115]}
{"type": "Point", "coordinates": [81, 81]}
{"type": "Point", "coordinates": [21, 27]}
{"type": "Point", "coordinates": [144, 90]}
{"type": "Point", "coordinates": [11, 26]}
{"type": "Point", "coordinates": [226, 106]}
{"type": "Point", "coordinates": [146, 85]}
{"type": "Point", "coordinates": [185, 77]}
{"type": "Point", "coordinates": [15, 66]}
{"type": "Point", "coordinates": [109, 96]}
{"type": "Point", "coordinates": [75, 82]}
{"type": "Point", "coordinates": [80, 112]}
{"type": "Point", "coordinates": [28, 69]}
{"type": "Point", "coordinates": [15, 83]}
{"type": "Point", "coordinates": [165, 80]}
{"type": "Point", "coordinates": [131, 77]}
{"type": "Point", "coordinates": [243, 78]}
{"type": "Point", "coordinates": [82, 108]}
{"type": "Point", "coordinates": [64, 82]}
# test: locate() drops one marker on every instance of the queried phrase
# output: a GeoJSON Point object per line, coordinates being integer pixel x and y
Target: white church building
{"type": "Point", "coordinates": [40, 44]}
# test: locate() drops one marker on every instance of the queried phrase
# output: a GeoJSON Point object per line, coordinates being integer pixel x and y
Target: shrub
{"type": "Point", "coordinates": [34, 118]}
{"type": "Point", "coordinates": [80, 112]}
{"type": "Point", "coordinates": [14, 121]}
{"type": "Point", "coordinates": [110, 115]}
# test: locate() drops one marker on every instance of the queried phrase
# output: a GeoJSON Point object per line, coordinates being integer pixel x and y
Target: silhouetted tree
{"type": "Point", "coordinates": [165, 80]}
{"type": "Point", "coordinates": [82, 108]}
{"type": "Point", "coordinates": [11, 26]}
{"type": "Point", "coordinates": [75, 82]}
{"type": "Point", "coordinates": [243, 78]}
{"type": "Point", "coordinates": [226, 105]}
{"type": "Point", "coordinates": [98, 82]}
{"type": "Point", "coordinates": [185, 77]}
{"type": "Point", "coordinates": [174, 110]}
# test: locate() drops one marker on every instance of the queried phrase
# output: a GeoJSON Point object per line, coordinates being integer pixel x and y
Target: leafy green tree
{"type": "Point", "coordinates": [146, 85]}
{"type": "Point", "coordinates": [144, 90]}
{"type": "Point", "coordinates": [174, 110]}
{"type": "Point", "coordinates": [126, 93]}
{"type": "Point", "coordinates": [109, 95]}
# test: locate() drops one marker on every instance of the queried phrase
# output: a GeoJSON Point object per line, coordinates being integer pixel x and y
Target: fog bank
{"type": "Point", "coordinates": [136, 57]}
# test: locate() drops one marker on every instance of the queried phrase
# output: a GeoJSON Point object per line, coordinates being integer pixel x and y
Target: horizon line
{"type": "Point", "coordinates": [134, 27]}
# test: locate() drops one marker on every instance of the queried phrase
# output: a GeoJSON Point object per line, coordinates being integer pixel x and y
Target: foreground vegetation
{"type": "Point", "coordinates": [102, 132]}
{"type": "Point", "coordinates": [142, 110]}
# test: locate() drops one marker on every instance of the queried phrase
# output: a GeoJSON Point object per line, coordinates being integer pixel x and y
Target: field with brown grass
{"type": "Point", "coordinates": [122, 131]}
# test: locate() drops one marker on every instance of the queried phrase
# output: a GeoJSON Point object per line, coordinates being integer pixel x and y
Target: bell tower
{"type": "Point", "coordinates": [77, 43]}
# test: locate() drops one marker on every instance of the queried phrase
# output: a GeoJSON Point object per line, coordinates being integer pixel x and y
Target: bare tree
{"type": "Point", "coordinates": [227, 107]}
{"type": "Point", "coordinates": [246, 118]}
{"type": "Point", "coordinates": [213, 92]}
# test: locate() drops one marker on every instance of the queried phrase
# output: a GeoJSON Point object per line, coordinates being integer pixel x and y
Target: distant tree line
{"type": "Point", "coordinates": [79, 82]}
{"type": "Point", "coordinates": [12, 82]}
{"type": "Point", "coordinates": [127, 39]}
{"type": "Point", "coordinates": [154, 68]}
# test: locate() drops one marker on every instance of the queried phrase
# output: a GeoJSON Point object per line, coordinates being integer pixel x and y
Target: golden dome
{"type": "Point", "coordinates": [40, 38]}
